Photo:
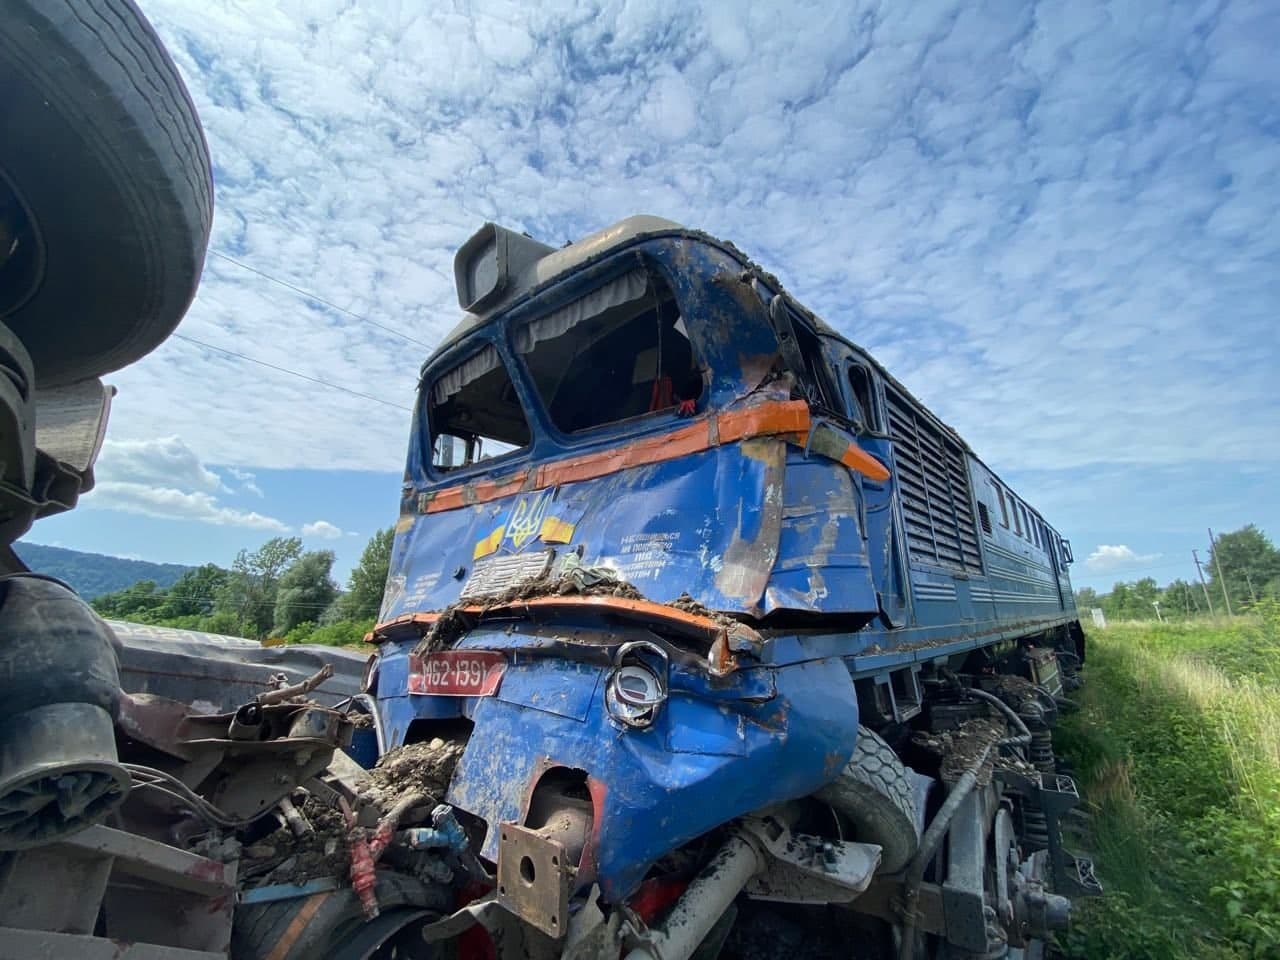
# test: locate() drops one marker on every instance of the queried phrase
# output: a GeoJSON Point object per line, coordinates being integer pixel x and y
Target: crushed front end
{"type": "Point", "coordinates": [642, 531]}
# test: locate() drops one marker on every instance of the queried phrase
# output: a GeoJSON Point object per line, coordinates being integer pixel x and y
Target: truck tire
{"type": "Point", "coordinates": [59, 770]}
{"type": "Point", "coordinates": [332, 924]}
{"type": "Point", "coordinates": [875, 794]}
{"type": "Point", "coordinates": [106, 194]}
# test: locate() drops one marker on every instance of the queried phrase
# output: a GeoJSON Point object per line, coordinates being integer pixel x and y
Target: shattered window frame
{"type": "Point", "coordinates": [658, 381]}
{"type": "Point", "coordinates": [431, 402]}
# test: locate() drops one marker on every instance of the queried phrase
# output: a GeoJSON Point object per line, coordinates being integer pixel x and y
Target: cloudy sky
{"type": "Point", "coordinates": [1057, 223]}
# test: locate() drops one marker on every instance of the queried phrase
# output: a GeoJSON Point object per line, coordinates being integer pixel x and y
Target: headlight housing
{"type": "Point", "coordinates": [636, 687]}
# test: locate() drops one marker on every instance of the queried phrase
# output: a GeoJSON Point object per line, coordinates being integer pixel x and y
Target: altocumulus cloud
{"type": "Point", "coordinates": [165, 478]}
{"type": "Point", "coordinates": [1037, 215]}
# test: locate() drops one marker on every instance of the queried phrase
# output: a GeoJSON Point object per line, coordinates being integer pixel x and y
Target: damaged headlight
{"type": "Point", "coordinates": [637, 684]}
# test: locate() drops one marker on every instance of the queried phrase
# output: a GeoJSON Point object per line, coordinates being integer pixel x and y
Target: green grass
{"type": "Point", "coordinates": [1177, 749]}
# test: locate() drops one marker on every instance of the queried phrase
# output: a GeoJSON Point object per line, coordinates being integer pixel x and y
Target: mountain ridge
{"type": "Point", "coordinates": [93, 574]}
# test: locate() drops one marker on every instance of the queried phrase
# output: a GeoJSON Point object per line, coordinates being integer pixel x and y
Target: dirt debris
{"type": "Point", "coordinates": [957, 749]}
{"type": "Point", "coordinates": [686, 604]}
{"type": "Point", "coordinates": [425, 767]}
{"type": "Point", "coordinates": [281, 857]}
{"type": "Point", "coordinates": [1012, 689]}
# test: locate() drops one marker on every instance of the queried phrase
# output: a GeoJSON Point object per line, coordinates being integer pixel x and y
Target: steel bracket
{"type": "Point", "coordinates": [807, 869]}
{"type": "Point", "coordinates": [534, 878]}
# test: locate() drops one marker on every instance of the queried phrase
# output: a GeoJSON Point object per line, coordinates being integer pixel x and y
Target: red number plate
{"type": "Point", "coordinates": [457, 673]}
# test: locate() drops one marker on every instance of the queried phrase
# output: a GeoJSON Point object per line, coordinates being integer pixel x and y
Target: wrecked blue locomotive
{"type": "Point", "coordinates": [727, 626]}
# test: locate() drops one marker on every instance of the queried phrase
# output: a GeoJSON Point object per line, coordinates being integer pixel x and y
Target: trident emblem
{"type": "Point", "coordinates": [526, 518]}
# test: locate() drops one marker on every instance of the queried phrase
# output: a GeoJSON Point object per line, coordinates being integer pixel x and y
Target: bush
{"type": "Point", "coordinates": [342, 633]}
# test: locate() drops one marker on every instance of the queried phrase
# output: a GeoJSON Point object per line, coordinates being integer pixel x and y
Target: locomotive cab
{"type": "Point", "coordinates": [648, 400]}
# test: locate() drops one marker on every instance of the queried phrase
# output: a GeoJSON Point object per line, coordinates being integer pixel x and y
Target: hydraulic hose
{"type": "Point", "coordinates": [1024, 735]}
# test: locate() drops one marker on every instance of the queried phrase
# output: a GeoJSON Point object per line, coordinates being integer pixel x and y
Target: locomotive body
{"type": "Point", "coordinates": [673, 553]}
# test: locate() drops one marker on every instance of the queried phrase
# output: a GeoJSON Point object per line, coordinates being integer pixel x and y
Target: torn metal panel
{"type": "Point", "coordinates": [681, 764]}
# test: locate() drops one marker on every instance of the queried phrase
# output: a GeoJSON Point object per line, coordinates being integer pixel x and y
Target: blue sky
{"type": "Point", "coordinates": [1057, 224]}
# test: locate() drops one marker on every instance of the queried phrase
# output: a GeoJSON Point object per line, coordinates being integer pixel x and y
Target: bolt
{"type": "Point", "coordinates": [830, 858]}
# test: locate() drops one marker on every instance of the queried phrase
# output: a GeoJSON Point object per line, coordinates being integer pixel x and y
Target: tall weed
{"type": "Point", "coordinates": [1178, 748]}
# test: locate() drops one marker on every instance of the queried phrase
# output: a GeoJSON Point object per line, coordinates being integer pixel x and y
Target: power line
{"type": "Point", "coordinates": [318, 299]}
{"type": "Point", "coordinates": [292, 373]}
{"type": "Point", "coordinates": [162, 598]}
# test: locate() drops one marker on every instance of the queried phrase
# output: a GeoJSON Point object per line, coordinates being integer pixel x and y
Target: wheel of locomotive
{"type": "Point", "coordinates": [106, 195]}
{"type": "Point", "coordinates": [332, 925]}
{"type": "Point", "coordinates": [875, 793]}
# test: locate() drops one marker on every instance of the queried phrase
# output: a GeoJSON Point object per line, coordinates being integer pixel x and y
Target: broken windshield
{"type": "Point", "coordinates": [619, 352]}
{"type": "Point", "coordinates": [474, 412]}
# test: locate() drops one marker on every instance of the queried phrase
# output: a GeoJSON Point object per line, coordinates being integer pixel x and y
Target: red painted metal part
{"type": "Point", "coordinates": [656, 896]}
{"type": "Point", "coordinates": [363, 876]}
{"type": "Point", "coordinates": [457, 673]}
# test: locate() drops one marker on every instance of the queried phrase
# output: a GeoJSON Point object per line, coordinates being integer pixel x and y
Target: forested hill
{"type": "Point", "coordinates": [92, 574]}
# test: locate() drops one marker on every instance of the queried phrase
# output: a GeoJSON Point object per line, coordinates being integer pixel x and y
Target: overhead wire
{"type": "Point", "coordinates": [317, 298]}
{"type": "Point", "coordinates": [292, 373]}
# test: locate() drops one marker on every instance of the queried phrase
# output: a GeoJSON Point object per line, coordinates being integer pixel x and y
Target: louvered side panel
{"type": "Point", "coordinates": [934, 489]}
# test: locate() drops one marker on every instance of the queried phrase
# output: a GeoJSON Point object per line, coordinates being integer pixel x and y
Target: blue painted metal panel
{"type": "Point", "coordinates": [822, 560]}
{"type": "Point", "coordinates": [562, 687]}
{"type": "Point", "coordinates": [653, 797]}
{"type": "Point", "coordinates": [748, 528]}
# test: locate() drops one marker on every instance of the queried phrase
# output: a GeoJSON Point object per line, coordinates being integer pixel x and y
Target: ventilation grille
{"type": "Point", "coordinates": [934, 486]}
{"type": "Point", "coordinates": [984, 518]}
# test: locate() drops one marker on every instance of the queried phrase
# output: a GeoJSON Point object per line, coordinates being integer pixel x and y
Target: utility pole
{"type": "Point", "coordinates": [1214, 547]}
{"type": "Point", "coordinates": [1156, 604]}
{"type": "Point", "coordinates": [1203, 586]}
{"type": "Point", "coordinates": [1249, 580]}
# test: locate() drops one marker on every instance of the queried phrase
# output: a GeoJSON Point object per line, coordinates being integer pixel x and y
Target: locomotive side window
{"type": "Point", "coordinates": [1004, 510]}
{"type": "Point", "coordinates": [862, 400]}
{"type": "Point", "coordinates": [473, 413]}
{"type": "Point", "coordinates": [1017, 521]}
{"type": "Point", "coordinates": [621, 351]}
{"type": "Point", "coordinates": [1026, 524]}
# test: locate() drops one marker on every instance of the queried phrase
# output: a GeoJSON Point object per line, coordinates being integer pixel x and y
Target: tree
{"type": "Point", "coordinates": [1248, 561]}
{"type": "Point", "coordinates": [194, 593]}
{"type": "Point", "coordinates": [1131, 601]}
{"type": "Point", "coordinates": [138, 602]}
{"type": "Point", "coordinates": [249, 593]}
{"type": "Point", "coordinates": [1086, 598]}
{"type": "Point", "coordinates": [304, 590]}
{"type": "Point", "coordinates": [1183, 599]}
{"type": "Point", "coordinates": [363, 598]}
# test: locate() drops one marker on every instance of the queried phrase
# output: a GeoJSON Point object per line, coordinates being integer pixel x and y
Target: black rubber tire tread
{"type": "Point", "coordinates": [100, 139]}
{"type": "Point", "coordinates": [258, 928]}
{"type": "Point", "coordinates": [875, 793]}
